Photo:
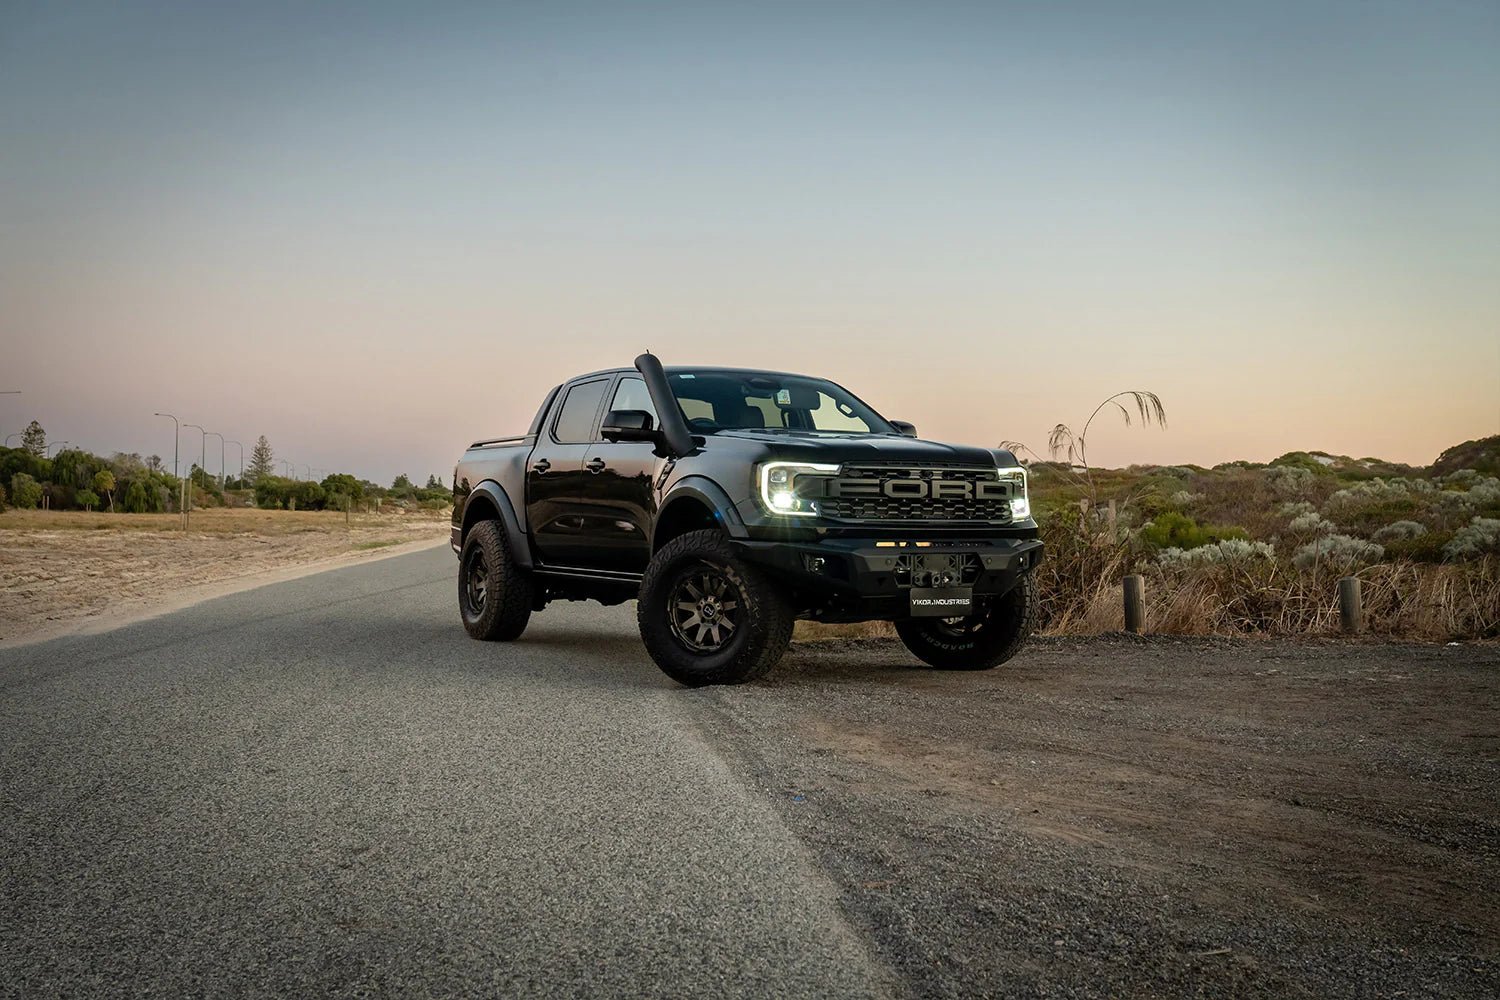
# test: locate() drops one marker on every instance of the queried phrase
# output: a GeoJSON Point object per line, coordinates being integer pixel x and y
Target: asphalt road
{"type": "Point", "coordinates": [324, 787]}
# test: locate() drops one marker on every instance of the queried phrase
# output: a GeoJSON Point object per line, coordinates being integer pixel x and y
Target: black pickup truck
{"type": "Point", "coordinates": [730, 503]}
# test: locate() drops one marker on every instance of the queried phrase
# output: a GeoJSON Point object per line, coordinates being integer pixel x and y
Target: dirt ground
{"type": "Point", "coordinates": [59, 569]}
{"type": "Point", "coordinates": [1125, 816]}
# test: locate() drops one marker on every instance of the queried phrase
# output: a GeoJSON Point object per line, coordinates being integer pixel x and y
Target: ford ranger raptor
{"type": "Point", "coordinates": [728, 503]}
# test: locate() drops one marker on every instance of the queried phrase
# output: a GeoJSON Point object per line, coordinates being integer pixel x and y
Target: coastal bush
{"type": "Point", "coordinates": [1338, 552]}
{"type": "Point", "coordinates": [1479, 537]}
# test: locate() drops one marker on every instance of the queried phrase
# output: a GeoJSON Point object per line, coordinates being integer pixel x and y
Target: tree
{"type": "Point", "coordinates": [262, 460]}
{"type": "Point", "coordinates": [34, 440]}
{"type": "Point", "coordinates": [104, 482]}
{"type": "Point", "coordinates": [88, 498]}
{"type": "Point", "coordinates": [343, 483]}
{"type": "Point", "coordinates": [25, 492]}
{"type": "Point", "coordinates": [402, 482]}
{"type": "Point", "coordinates": [434, 483]}
{"type": "Point", "coordinates": [154, 463]}
{"type": "Point", "coordinates": [135, 498]}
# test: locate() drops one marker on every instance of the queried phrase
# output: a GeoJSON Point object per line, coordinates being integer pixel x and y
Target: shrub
{"type": "Point", "coordinates": [1311, 523]}
{"type": "Point", "coordinates": [1178, 531]}
{"type": "Point", "coordinates": [1297, 508]}
{"type": "Point", "coordinates": [1484, 493]}
{"type": "Point", "coordinates": [2, 497]}
{"type": "Point", "coordinates": [1226, 552]}
{"type": "Point", "coordinates": [88, 498]}
{"type": "Point", "coordinates": [1399, 530]}
{"type": "Point", "coordinates": [1341, 552]}
{"type": "Point", "coordinates": [1426, 548]}
{"type": "Point", "coordinates": [1289, 481]}
{"type": "Point", "coordinates": [1479, 537]}
{"type": "Point", "coordinates": [25, 492]}
{"type": "Point", "coordinates": [1185, 498]}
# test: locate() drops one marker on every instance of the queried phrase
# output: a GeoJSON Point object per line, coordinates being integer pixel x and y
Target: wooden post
{"type": "Point", "coordinates": [1113, 514]}
{"type": "Point", "coordinates": [183, 503]}
{"type": "Point", "coordinates": [1351, 605]}
{"type": "Point", "coordinates": [1135, 603]}
{"type": "Point", "coordinates": [347, 504]}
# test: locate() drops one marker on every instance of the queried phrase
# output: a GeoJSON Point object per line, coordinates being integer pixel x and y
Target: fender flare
{"type": "Point", "coordinates": [520, 547]}
{"type": "Point", "coordinates": [712, 496]}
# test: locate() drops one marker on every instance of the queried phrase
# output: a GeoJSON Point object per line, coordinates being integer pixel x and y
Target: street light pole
{"type": "Point", "coordinates": [15, 435]}
{"type": "Point", "coordinates": [221, 455]}
{"type": "Point", "coordinates": [202, 453]}
{"type": "Point", "coordinates": [55, 444]}
{"type": "Point", "coordinates": [176, 440]}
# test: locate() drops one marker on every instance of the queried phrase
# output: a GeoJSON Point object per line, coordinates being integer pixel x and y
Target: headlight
{"type": "Point", "coordinates": [1020, 503]}
{"type": "Point", "coordinates": [778, 482]}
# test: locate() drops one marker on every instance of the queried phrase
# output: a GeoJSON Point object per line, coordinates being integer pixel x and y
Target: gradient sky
{"type": "Point", "coordinates": [377, 233]}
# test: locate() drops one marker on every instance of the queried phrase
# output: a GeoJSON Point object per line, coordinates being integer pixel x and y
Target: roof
{"type": "Point", "coordinates": [679, 369]}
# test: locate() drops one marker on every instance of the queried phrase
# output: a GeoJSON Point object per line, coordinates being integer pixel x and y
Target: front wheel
{"type": "Point", "coordinates": [708, 618]}
{"type": "Point", "coordinates": [980, 641]}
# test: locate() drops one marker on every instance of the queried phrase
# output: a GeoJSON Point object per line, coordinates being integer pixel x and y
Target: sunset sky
{"type": "Point", "coordinates": [375, 235]}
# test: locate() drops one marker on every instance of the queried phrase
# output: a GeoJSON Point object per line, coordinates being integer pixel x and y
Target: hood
{"type": "Point", "coordinates": [874, 449]}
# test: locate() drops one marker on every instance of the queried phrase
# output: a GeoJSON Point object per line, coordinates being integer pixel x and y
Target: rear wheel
{"type": "Point", "coordinates": [980, 641]}
{"type": "Point", "coordinates": [494, 594]}
{"type": "Point", "coordinates": [706, 617]}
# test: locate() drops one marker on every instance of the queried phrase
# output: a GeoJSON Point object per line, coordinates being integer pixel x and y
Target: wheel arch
{"type": "Point", "coordinates": [487, 502]}
{"type": "Point", "coordinates": [693, 504]}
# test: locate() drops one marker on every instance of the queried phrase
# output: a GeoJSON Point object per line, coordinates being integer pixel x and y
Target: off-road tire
{"type": "Point", "coordinates": [761, 634]}
{"type": "Point", "coordinates": [981, 645]}
{"type": "Point", "coordinates": [504, 610]}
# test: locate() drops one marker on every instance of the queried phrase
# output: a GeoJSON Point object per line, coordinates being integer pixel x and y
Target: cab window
{"type": "Point", "coordinates": [575, 418]}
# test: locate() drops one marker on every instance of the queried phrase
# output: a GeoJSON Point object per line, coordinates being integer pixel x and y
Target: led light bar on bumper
{"type": "Point", "coordinates": [777, 487]}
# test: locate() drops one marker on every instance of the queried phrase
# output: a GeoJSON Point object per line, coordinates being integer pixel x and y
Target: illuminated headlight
{"type": "Point", "coordinates": [778, 487]}
{"type": "Point", "coordinates": [1020, 503]}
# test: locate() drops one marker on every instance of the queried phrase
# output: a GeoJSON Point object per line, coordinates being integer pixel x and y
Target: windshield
{"type": "Point", "coordinates": [714, 400]}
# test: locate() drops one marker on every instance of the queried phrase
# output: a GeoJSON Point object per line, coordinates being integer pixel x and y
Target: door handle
{"type": "Point", "coordinates": [596, 466]}
{"type": "Point", "coordinates": [542, 466]}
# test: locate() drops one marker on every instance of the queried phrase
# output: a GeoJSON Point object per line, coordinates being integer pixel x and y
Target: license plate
{"type": "Point", "coordinates": [942, 602]}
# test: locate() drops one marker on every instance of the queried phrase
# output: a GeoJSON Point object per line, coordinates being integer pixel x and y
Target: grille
{"type": "Point", "coordinates": [884, 508]}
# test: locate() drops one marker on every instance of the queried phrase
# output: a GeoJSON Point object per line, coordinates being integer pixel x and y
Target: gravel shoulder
{"type": "Point", "coordinates": [1121, 816]}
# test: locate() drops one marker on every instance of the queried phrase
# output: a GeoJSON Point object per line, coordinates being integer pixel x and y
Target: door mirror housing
{"type": "Point", "coordinates": [904, 429]}
{"type": "Point", "coordinates": [629, 425]}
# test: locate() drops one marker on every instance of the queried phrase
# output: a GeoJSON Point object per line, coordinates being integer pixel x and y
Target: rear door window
{"type": "Point", "coordinates": [575, 418]}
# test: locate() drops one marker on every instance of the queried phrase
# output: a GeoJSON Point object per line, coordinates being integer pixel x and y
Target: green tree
{"type": "Point", "coordinates": [25, 492]}
{"type": "Point", "coordinates": [88, 498]}
{"type": "Point", "coordinates": [34, 440]}
{"type": "Point", "coordinates": [433, 483]}
{"type": "Point", "coordinates": [262, 460]}
{"type": "Point", "coordinates": [135, 498]}
{"type": "Point", "coordinates": [104, 482]}
{"type": "Point", "coordinates": [345, 484]}
{"type": "Point", "coordinates": [402, 482]}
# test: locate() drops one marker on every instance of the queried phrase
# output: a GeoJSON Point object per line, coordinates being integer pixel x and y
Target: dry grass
{"type": "Point", "coordinates": [214, 521]}
{"type": "Point", "coordinates": [60, 567]}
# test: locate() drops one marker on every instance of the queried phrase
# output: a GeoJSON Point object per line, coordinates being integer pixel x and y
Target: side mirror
{"type": "Point", "coordinates": [905, 429]}
{"type": "Point", "coordinates": [629, 425]}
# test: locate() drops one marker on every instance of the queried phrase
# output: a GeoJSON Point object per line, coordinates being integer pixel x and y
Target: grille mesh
{"type": "Point", "coordinates": [884, 508]}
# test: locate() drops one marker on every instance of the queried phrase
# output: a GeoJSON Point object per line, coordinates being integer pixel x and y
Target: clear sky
{"type": "Point", "coordinates": [376, 233]}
